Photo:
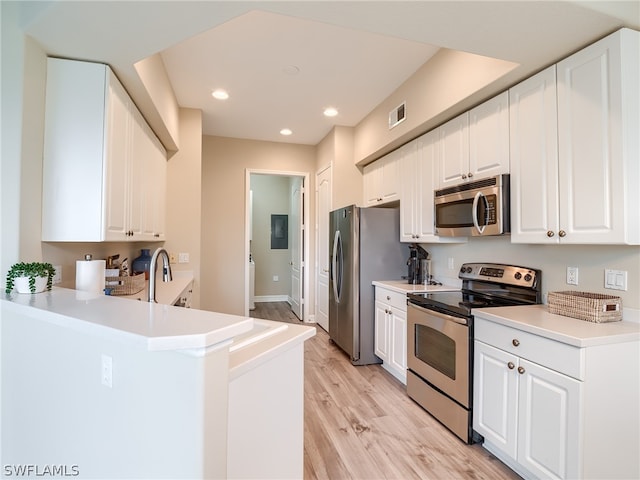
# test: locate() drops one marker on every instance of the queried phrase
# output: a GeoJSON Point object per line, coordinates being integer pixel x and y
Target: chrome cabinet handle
{"type": "Point", "coordinates": [520, 370]}
{"type": "Point", "coordinates": [550, 234]}
{"type": "Point", "coordinates": [511, 365]}
{"type": "Point", "coordinates": [515, 342]}
{"type": "Point", "coordinates": [562, 233]}
{"type": "Point", "coordinates": [464, 177]}
{"type": "Point", "coordinates": [470, 175]}
{"type": "Point", "coordinates": [388, 297]}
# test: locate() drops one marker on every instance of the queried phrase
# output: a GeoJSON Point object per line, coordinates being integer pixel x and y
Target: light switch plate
{"type": "Point", "coordinates": [615, 279]}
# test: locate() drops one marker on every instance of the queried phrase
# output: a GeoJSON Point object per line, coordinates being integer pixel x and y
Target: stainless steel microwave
{"type": "Point", "coordinates": [476, 208]}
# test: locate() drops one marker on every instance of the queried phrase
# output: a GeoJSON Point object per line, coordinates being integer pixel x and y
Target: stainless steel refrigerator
{"type": "Point", "coordinates": [365, 246]}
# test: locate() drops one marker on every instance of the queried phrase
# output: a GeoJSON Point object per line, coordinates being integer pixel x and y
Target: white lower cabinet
{"type": "Point", "coordinates": [529, 412]}
{"type": "Point", "coordinates": [391, 332]}
{"type": "Point", "coordinates": [552, 410]}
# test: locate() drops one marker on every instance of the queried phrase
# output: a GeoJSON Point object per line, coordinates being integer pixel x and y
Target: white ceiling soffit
{"type": "Point", "coordinates": [282, 71]}
{"type": "Point", "coordinates": [531, 33]}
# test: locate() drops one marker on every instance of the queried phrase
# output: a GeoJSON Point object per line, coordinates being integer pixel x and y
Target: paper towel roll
{"type": "Point", "coordinates": [90, 275]}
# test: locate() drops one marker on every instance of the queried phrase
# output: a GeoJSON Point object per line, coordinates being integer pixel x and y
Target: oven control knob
{"type": "Point", "coordinates": [518, 275]}
{"type": "Point", "coordinates": [462, 269]}
{"type": "Point", "coordinates": [515, 342]}
{"type": "Point", "coordinates": [527, 277]}
{"type": "Point", "coordinates": [468, 269]}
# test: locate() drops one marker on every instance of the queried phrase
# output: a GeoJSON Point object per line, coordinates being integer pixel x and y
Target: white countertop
{"type": "Point", "coordinates": [401, 286]}
{"type": "Point", "coordinates": [153, 326]}
{"type": "Point", "coordinates": [166, 292]}
{"type": "Point", "coordinates": [266, 340]}
{"type": "Point", "coordinates": [536, 319]}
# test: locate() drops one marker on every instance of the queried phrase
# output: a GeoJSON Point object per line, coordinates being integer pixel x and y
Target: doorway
{"type": "Point", "coordinates": [277, 243]}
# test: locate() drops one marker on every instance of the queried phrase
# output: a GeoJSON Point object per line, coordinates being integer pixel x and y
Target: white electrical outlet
{"type": "Point", "coordinates": [107, 371]}
{"type": "Point", "coordinates": [57, 277]}
{"type": "Point", "coordinates": [572, 275]}
{"type": "Point", "coordinates": [276, 278]}
{"type": "Point", "coordinates": [183, 258]}
{"type": "Point", "coordinates": [450, 263]}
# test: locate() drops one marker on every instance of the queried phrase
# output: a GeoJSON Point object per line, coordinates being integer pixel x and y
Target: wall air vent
{"type": "Point", "coordinates": [397, 115]}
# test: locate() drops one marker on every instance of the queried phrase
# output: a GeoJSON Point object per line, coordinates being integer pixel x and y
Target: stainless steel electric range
{"type": "Point", "coordinates": [440, 338]}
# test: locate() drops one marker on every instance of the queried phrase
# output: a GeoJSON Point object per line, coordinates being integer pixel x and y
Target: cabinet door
{"type": "Point", "coordinates": [410, 181]}
{"type": "Point", "coordinates": [590, 144]}
{"type": "Point", "coordinates": [549, 422]}
{"type": "Point", "coordinates": [495, 397]}
{"type": "Point", "coordinates": [371, 183]}
{"type": "Point", "coordinates": [390, 177]}
{"type": "Point", "coordinates": [381, 331]}
{"type": "Point", "coordinates": [534, 159]}
{"type": "Point", "coordinates": [118, 155]}
{"type": "Point", "coordinates": [489, 138]}
{"type": "Point", "coordinates": [398, 350]}
{"type": "Point", "coordinates": [426, 173]}
{"type": "Point", "coordinates": [454, 151]}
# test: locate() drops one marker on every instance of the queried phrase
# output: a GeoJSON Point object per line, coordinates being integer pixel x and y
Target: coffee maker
{"type": "Point", "coordinates": [418, 265]}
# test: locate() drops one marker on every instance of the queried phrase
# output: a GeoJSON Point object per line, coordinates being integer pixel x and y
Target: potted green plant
{"type": "Point", "coordinates": [31, 277]}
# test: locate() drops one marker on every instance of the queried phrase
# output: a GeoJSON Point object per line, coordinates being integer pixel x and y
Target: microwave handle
{"type": "Point", "coordinates": [474, 212]}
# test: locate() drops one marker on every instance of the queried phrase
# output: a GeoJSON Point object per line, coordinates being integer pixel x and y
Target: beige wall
{"type": "Point", "coordinates": [336, 150]}
{"type": "Point", "coordinates": [552, 260]}
{"type": "Point", "coordinates": [449, 83]}
{"type": "Point", "coordinates": [184, 197]}
{"type": "Point", "coordinates": [224, 165]}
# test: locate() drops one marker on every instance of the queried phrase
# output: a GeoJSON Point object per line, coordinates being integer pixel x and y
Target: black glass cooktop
{"type": "Point", "coordinates": [460, 302]}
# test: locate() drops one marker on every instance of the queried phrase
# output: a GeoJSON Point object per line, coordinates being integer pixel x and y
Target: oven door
{"type": "Point", "coordinates": [438, 351]}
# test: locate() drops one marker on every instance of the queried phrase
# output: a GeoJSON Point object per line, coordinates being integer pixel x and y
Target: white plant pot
{"type": "Point", "coordinates": [21, 284]}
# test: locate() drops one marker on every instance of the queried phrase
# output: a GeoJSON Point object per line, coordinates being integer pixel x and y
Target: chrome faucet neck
{"type": "Point", "coordinates": [166, 272]}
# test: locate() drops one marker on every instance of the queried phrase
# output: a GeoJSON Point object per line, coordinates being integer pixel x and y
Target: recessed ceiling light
{"type": "Point", "coordinates": [285, 131]}
{"type": "Point", "coordinates": [330, 112]}
{"type": "Point", "coordinates": [220, 94]}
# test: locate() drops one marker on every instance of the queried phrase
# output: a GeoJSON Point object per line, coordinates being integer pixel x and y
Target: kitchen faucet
{"type": "Point", "coordinates": [166, 272]}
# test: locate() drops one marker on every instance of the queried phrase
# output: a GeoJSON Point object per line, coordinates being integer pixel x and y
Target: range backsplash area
{"type": "Point", "coordinates": [553, 260]}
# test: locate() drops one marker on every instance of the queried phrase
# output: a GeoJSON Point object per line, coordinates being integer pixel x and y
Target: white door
{"type": "Point", "coordinates": [323, 209]}
{"type": "Point", "coordinates": [297, 254]}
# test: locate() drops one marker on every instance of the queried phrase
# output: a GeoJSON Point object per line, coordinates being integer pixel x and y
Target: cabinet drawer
{"type": "Point", "coordinates": [549, 353]}
{"type": "Point", "coordinates": [394, 299]}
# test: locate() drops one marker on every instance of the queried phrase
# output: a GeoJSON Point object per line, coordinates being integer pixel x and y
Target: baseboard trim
{"type": "Point", "coordinates": [272, 298]}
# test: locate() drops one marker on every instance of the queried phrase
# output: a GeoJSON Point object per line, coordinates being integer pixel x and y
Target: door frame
{"type": "Point", "coordinates": [305, 233]}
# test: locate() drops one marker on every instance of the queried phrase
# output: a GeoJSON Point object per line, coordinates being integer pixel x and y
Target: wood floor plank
{"type": "Point", "coordinates": [359, 422]}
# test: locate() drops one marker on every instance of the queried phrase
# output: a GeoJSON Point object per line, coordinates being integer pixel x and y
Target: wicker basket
{"type": "Point", "coordinates": [128, 285]}
{"type": "Point", "coordinates": [592, 307]}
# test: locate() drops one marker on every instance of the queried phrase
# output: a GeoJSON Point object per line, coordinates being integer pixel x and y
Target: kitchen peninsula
{"type": "Point", "coordinates": [115, 388]}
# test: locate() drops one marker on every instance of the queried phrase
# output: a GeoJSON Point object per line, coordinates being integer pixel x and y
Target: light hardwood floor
{"type": "Point", "coordinates": [360, 423]}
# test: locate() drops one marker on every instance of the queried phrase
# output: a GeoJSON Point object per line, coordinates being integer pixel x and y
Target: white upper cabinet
{"type": "Point", "coordinates": [584, 188]}
{"type": "Point", "coordinates": [475, 145]}
{"type": "Point", "coordinates": [419, 167]}
{"type": "Point", "coordinates": [382, 180]}
{"type": "Point", "coordinates": [104, 171]}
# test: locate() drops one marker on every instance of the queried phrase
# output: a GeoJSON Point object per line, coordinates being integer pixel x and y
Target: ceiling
{"type": "Point", "coordinates": [284, 62]}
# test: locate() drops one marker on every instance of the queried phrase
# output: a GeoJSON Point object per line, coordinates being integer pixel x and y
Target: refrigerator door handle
{"type": "Point", "coordinates": [336, 266]}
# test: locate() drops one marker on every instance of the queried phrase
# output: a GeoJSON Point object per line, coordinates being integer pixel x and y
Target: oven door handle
{"type": "Point", "coordinates": [435, 313]}
{"type": "Point", "coordinates": [474, 211]}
